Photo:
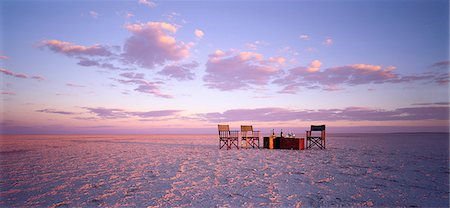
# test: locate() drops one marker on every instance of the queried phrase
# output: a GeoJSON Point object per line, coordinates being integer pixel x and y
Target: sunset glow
{"type": "Point", "coordinates": [186, 66]}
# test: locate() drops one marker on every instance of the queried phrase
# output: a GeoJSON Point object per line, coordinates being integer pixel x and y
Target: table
{"type": "Point", "coordinates": [284, 143]}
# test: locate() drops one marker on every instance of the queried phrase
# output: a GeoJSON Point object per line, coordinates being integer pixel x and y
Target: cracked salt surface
{"type": "Point", "coordinates": [190, 171]}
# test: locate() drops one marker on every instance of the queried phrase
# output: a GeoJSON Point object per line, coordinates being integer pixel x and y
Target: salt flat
{"type": "Point", "coordinates": [190, 171]}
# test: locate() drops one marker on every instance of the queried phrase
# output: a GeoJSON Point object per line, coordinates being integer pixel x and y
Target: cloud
{"type": "Point", "coordinates": [314, 66]}
{"type": "Point", "coordinates": [129, 15]}
{"type": "Point", "coordinates": [95, 55]}
{"type": "Point", "coordinates": [198, 33]}
{"type": "Point", "coordinates": [255, 45]}
{"type": "Point", "coordinates": [85, 118]}
{"type": "Point", "coordinates": [56, 112]}
{"type": "Point", "coordinates": [74, 85]}
{"type": "Point", "coordinates": [108, 113]}
{"type": "Point", "coordinates": [328, 41]}
{"type": "Point", "coordinates": [233, 70]}
{"type": "Point", "coordinates": [115, 113]}
{"type": "Point", "coordinates": [93, 14]}
{"type": "Point", "coordinates": [147, 3]}
{"type": "Point", "coordinates": [147, 87]}
{"type": "Point", "coordinates": [171, 16]}
{"type": "Point", "coordinates": [98, 63]}
{"type": "Point", "coordinates": [3, 57]}
{"type": "Point", "coordinates": [151, 45]}
{"type": "Point", "coordinates": [311, 49]}
{"type": "Point", "coordinates": [441, 64]}
{"type": "Point", "coordinates": [288, 51]}
{"type": "Point", "coordinates": [69, 49]}
{"type": "Point", "coordinates": [330, 79]}
{"type": "Point", "coordinates": [10, 73]}
{"type": "Point", "coordinates": [436, 103]}
{"type": "Point", "coordinates": [180, 72]}
{"type": "Point", "coordinates": [346, 114]}
{"type": "Point", "coordinates": [8, 93]}
{"type": "Point", "coordinates": [20, 75]}
{"type": "Point", "coordinates": [7, 72]}
{"type": "Point", "coordinates": [38, 77]}
{"type": "Point", "coordinates": [277, 60]}
{"type": "Point", "coordinates": [304, 37]}
{"type": "Point", "coordinates": [132, 75]}
{"type": "Point", "coordinates": [152, 114]}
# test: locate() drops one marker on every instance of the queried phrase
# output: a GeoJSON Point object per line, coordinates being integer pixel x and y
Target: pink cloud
{"type": "Point", "coordinates": [129, 15]}
{"type": "Point", "coordinates": [346, 114]}
{"type": "Point", "coordinates": [7, 72]}
{"type": "Point", "coordinates": [328, 41]}
{"type": "Point", "coordinates": [151, 45]}
{"type": "Point", "coordinates": [180, 72]}
{"type": "Point", "coordinates": [199, 33]}
{"type": "Point", "coordinates": [232, 70]}
{"type": "Point", "coordinates": [314, 66]}
{"type": "Point", "coordinates": [147, 3]}
{"type": "Point", "coordinates": [330, 79]}
{"type": "Point", "coordinates": [96, 55]}
{"type": "Point", "coordinates": [3, 57]}
{"type": "Point", "coordinates": [19, 75]}
{"type": "Point", "coordinates": [69, 49]}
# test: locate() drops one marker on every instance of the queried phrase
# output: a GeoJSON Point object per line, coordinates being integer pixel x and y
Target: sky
{"type": "Point", "coordinates": [141, 66]}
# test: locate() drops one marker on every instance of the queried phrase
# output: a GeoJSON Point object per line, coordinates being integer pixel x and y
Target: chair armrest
{"type": "Point", "coordinates": [234, 133]}
{"type": "Point", "coordinates": [308, 133]}
{"type": "Point", "coordinates": [256, 133]}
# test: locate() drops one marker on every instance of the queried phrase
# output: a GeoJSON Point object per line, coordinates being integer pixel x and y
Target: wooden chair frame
{"type": "Point", "coordinates": [228, 138]}
{"type": "Point", "coordinates": [318, 141]}
{"type": "Point", "coordinates": [249, 137]}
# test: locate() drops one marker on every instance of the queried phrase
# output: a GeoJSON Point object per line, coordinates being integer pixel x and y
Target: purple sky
{"type": "Point", "coordinates": [185, 66]}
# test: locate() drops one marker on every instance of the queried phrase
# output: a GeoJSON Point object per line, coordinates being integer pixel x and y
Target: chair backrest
{"type": "Point", "coordinates": [317, 127]}
{"type": "Point", "coordinates": [246, 128]}
{"type": "Point", "coordinates": [223, 127]}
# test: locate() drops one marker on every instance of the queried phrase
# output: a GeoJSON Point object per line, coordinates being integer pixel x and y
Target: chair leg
{"type": "Point", "coordinates": [221, 144]}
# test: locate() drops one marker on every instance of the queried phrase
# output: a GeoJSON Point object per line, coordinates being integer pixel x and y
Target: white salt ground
{"type": "Point", "coordinates": [379, 170]}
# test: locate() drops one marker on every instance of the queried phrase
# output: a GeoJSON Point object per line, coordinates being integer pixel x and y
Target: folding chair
{"type": "Point", "coordinates": [228, 138]}
{"type": "Point", "coordinates": [249, 137]}
{"type": "Point", "coordinates": [315, 140]}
